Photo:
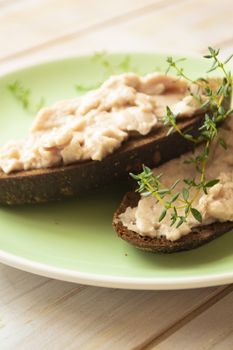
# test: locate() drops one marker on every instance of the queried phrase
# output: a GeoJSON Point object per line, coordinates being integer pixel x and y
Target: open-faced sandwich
{"type": "Point", "coordinates": [138, 219]}
{"type": "Point", "coordinates": [188, 201]}
{"type": "Point", "coordinates": [100, 137]}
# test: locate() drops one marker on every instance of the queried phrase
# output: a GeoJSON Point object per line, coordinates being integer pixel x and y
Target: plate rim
{"type": "Point", "coordinates": [40, 61]}
{"type": "Point", "coordinates": [95, 279]}
{"type": "Point", "coordinates": [109, 281]}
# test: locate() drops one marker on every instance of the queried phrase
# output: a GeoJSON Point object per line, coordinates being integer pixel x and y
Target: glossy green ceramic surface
{"type": "Point", "coordinates": [75, 237]}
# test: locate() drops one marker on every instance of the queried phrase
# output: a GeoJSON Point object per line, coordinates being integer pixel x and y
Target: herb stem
{"type": "Point", "coordinates": [216, 113]}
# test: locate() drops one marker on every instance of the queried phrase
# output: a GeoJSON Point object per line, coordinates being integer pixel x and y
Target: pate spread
{"type": "Point", "coordinates": [94, 125]}
{"type": "Point", "coordinates": [217, 205]}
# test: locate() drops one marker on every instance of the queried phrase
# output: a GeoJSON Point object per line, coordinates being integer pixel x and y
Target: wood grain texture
{"type": "Point", "coordinates": [40, 313]}
{"type": "Point", "coordinates": [37, 308]}
{"type": "Point", "coordinates": [192, 31]}
{"type": "Point", "coordinates": [54, 20]}
{"type": "Point", "coordinates": [212, 330]}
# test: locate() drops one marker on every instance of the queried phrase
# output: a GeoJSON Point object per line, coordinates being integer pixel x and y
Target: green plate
{"type": "Point", "coordinates": [74, 240]}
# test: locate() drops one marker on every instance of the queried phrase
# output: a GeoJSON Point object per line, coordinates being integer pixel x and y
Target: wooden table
{"type": "Point", "coordinates": [41, 313]}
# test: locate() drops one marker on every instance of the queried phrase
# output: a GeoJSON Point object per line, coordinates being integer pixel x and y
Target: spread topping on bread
{"type": "Point", "coordinates": [94, 125]}
{"type": "Point", "coordinates": [215, 206]}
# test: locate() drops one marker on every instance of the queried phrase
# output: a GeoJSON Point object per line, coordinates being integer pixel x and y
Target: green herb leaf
{"type": "Point", "coordinates": [212, 101]}
{"type": "Point", "coordinates": [163, 214]}
{"type": "Point", "coordinates": [222, 142]}
{"type": "Point", "coordinates": [185, 194]}
{"type": "Point", "coordinates": [228, 59]}
{"type": "Point", "coordinates": [211, 183]}
{"type": "Point", "coordinates": [24, 96]}
{"type": "Point", "coordinates": [174, 198]}
{"type": "Point", "coordinates": [85, 88]}
{"type": "Point", "coordinates": [182, 219]}
{"type": "Point", "coordinates": [196, 214]}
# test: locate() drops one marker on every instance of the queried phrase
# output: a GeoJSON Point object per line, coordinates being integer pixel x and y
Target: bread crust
{"type": "Point", "coordinates": [57, 183]}
{"type": "Point", "coordinates": [52, 184]}
{"type": "Point", "coordinates": [198, 236]}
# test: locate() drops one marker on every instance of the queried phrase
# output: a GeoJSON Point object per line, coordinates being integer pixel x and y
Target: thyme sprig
{"type": "Point", "coordinates": [109, 68]}
{"type": "Point", "coordinates": [180, 204]}
{"type": "Point", "coordinates": [24, 96]}
{"type": "Point", "coordinates": [125, 64]}
{"type": "Point", "coordinates": [81, 88]}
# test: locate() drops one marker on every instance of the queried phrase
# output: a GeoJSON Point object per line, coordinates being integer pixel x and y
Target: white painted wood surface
{"type": "Point", "coordinates": [40, 313]}
{"type": "Point", "coordinates": [212, 329]}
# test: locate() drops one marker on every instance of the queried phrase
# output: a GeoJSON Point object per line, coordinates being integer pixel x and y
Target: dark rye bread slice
{"type": "Point", "coordinates": [197, 237]}
{"type": "Point", "coordinates": [51, 184]}
{"type": "Point", "coordinates": [43, 185]}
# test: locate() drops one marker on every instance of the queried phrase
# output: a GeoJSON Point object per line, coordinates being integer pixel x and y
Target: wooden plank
{"type": "Point", "coordinates": [211, 330]}
{"type": "Point", "coordinates": [181, 27]}
{"type": "Point", "coordinates": [47, 21]}
{"type": "Point", "coordinates": [147, 32]}
{"type": "Point", "coordinates": [14, 6]}
{"type": "Point", "coordinates": [86, 317]}
{"type": "Point", "coordinates": [17, 285]}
